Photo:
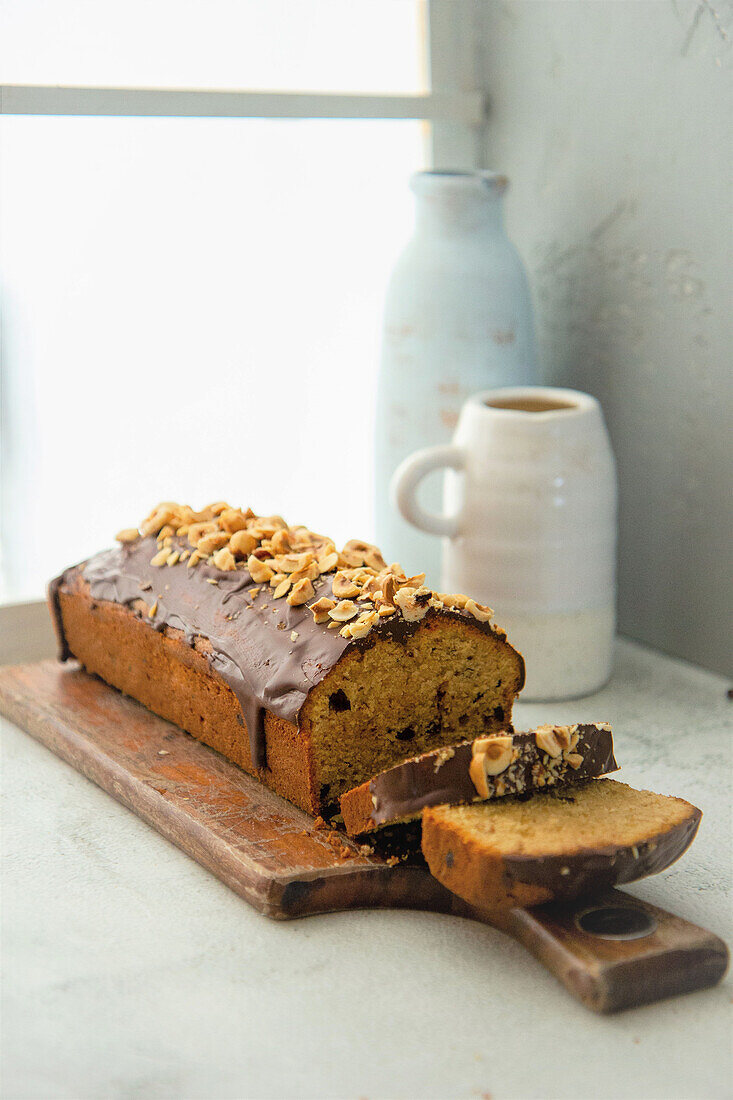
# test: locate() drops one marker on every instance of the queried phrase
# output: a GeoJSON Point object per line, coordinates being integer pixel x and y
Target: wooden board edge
{"type": "Point", "coordinates": [362, 882]}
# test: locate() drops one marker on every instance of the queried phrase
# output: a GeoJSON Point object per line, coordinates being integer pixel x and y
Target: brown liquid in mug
{"type": "Point", "coordinates": [530, 405]}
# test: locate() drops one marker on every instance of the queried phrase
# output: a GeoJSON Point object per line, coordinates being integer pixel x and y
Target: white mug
{"type": "Point", "coordinates": [530, 527]}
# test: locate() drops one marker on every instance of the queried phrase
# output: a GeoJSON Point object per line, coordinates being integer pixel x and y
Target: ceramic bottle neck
{"type": "Point", "coordinates": [459, 203]}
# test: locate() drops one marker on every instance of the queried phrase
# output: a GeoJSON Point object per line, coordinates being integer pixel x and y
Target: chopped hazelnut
{"type": "Point", "coordinates": [555, 740]}
{"type": "Point", "coordinates": [282, 588]}
{"type": "Point", "coordinates": [197, 531]}
{"type": "Point", "coordinates": [364, 624]}
{"type": "Point", "coordinates": [479, 611]}
{"type": "Point", "coordinates": [310, 571]}
{"type": "Point", "coordinates": [547, 740]}
{"type": "Point", "coordinates": [302, 591]}
{"type": "Point", "coordinates": [232, 520]}
{"type": "Point", "coordinates": [343, 611]}
{"type": "Point", "coordinates": [453, 600]}
{"type": "Point", "coordinates": [407, 602]}
{"type": "Point", "coordinates": [281, 542]}
{"type": "Point", "coordinates": [128, 534]}
{"type": "Point", "coordinates": [388, 590]}
{"type": "Point", "coordinates": [224, 559]}
{"type": "Point", "coordinates": [321, 608]}
{"type": "Point", "coordinates": [260, 571]}
{"type": "Point", "coordinates": [328, 562]}
{"type": "Point", "coordinates": [242, 543]}
{"type": "Point", "coordinates": [293, 563]}
{"type": "Point", "coordinates": [210, 543]}
{"type": "Point", "coordinates": [491, 756]}
{"type": "Point", "coordinates": [498, 754]}
{"type": "Point", "coordinates": [344, 587]}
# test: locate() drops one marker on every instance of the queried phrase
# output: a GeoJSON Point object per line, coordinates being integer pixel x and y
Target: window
{"type": "Point", "coordinates": [192, 278]}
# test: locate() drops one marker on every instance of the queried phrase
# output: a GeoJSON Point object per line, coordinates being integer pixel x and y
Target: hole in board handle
{"type": "Point", "coordinates": [616, 922]}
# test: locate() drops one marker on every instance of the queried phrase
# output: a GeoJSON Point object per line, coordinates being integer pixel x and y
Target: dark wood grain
{"type": "Point", "coordinates": [273, 856]}
{"type": "Point", "coordinates": [608, 975]}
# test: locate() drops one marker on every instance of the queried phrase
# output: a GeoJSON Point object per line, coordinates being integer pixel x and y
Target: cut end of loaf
{"type": "Point", "coordinates": [446, 682]}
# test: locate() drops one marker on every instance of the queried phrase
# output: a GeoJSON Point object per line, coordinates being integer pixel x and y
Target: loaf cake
{"type": "Point", "coordinates": [311, 668]}
{"type": "Point", "coordinates": [560, 843]}
{"type": "Point", "coordinates": [472, 771]}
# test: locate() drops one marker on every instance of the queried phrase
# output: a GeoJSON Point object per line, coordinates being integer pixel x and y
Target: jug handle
{"type": "Point", "coordinates": [406, 479]}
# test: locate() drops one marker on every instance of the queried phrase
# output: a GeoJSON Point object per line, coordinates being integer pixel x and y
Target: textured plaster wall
{"type": "Point", "coordinates": [614, 121]}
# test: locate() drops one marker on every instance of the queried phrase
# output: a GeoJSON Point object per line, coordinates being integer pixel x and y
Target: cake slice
{"type": "Point", "coordinates": [471, 771]}
{"type": "Point", "coordinates": [561, 843]}
{"type": "Point", "coordinates": [310, 667]}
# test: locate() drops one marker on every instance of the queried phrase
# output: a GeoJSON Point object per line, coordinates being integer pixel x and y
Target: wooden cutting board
{"type": "Point", "coordinates": [611, 953]}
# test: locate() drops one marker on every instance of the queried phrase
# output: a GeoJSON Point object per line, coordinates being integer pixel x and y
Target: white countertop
{"type": "Point", "coordinates": [130, 972]}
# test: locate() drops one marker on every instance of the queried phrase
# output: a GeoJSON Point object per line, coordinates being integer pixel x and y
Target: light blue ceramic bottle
{"type": "Point", "coordinates": [458, 318]}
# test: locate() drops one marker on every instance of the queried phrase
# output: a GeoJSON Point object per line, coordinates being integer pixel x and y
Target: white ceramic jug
{"type": "Point", "coordinates": [530, 527]}
{"type": "Point", "coordinates": [457, 319]}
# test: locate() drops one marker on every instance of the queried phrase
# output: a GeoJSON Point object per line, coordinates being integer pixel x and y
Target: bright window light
{"type": "Point", "coordinates": [192, 311]}
{"type": "Point", "coordinates": [288, 45]}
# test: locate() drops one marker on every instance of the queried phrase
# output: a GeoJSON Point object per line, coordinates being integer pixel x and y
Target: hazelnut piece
{"type": "Point", "coordinates": [242, 543]}
{"type": "Point", "coordinates": [548, 741]}
{"type": "Point", "coordinates": [232, 520]}
{"type": "Point", "coordinates": [128, 534]}
{"type": "Point", "coordinates": [343, 611]}
{"type": "Point", "coordinates": [260, 571]}
{"type": "Point", "coordinates": [321, 608]}
{"type": "Point", "coordinates": [224, 559]}
{"type": "Point", "coordinates": [479, 611]}
{"type": "Point", "coordinates": [301, 592]}
{"type": "Point", "coordinates": [491, 756]}
{"type": "Point", "coordinates": [344, 587]}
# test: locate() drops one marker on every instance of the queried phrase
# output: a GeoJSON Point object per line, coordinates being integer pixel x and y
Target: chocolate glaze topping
{"type": "Point", "coordinates": [270, 653]}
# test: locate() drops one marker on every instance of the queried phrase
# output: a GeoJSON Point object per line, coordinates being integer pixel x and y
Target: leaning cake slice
{"type": "Point", "coordinates": [561, 843]}
{"type": "Point", "coordinates": [489, 767]}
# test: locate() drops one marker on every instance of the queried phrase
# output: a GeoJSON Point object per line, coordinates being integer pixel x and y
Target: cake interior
{"type": "Point", "coordinates": [592, 814]}
{"type": "Point", "coordinates": [447, 682]}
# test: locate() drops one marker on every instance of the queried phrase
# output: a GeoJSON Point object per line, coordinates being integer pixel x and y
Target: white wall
{"type": "Point", "coordinates": [613, 121]}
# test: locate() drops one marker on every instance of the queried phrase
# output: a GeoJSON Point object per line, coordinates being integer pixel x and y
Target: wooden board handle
{"type": "Point", "coordinates": [617, 951]}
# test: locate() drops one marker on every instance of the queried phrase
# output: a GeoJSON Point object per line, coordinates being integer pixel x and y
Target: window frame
{"type": "Point", "coordinates": [456, 105]}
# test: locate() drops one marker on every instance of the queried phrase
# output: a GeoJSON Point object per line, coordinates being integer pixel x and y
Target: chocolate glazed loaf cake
{"type": "Point", "coordinates": [312, 669]}
{"type": "Point", "coordinates": [475, 771]}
